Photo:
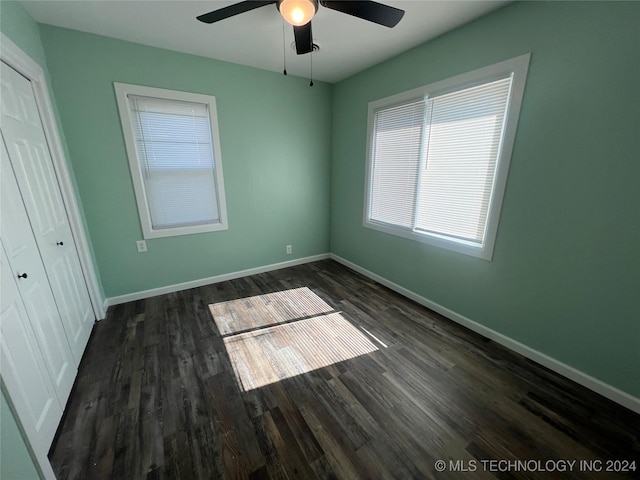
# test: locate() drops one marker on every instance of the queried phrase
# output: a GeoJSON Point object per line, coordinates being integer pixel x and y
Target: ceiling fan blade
{"type": "Point", "coordinates": [367, 10]}
{"type": "Point", "coordinates": [304, 39]}
{"type": "Point", "coordinates": [232, 10]}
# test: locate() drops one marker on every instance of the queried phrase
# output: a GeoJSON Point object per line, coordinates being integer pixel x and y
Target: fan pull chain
{"type": "Point", "coordinates": [284, 50]}
{"type": "Point", "coordinates": [311, 74]}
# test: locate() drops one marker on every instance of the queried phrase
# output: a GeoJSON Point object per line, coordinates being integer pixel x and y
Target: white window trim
{"type": "Point", "coordinates": [517, 66]}
{"type": "Point", "coordinates": [122, 91]}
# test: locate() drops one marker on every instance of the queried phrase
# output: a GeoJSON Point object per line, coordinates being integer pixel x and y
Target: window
{"type": "Point", "coordinates": [439, 155]}
{"type": "Point", "coordinates": [174, 155]}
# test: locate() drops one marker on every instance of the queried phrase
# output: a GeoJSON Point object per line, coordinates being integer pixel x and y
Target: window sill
{"type": "Point", "coordinates": [484, 252]}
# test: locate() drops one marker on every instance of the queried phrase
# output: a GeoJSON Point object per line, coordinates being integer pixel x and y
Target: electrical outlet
{"type": "Point", "coordinates": [289, 250]}
{"type": "Point", "coordinates": [141, 245]}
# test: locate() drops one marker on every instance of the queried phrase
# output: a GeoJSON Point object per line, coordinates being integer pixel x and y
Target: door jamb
{"type": "Point", "coordinates": [16, 58]}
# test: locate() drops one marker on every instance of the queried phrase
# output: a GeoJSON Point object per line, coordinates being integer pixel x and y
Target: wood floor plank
{"type": "Point", "coordinates": [294, 460]}
{"type": "Point", "coordinates": [315, 371]}
{"type": "Point", "coordinates": [295, 422]}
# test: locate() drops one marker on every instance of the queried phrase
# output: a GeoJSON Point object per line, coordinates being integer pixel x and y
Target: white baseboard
{"type": "Point", "coordinates": [598, 386]}
{"type": "Point", "coordinates": [130, 297]}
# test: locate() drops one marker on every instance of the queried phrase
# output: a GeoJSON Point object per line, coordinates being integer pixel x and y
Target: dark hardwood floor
{"type": "Point", "coordinates": [317, 372]}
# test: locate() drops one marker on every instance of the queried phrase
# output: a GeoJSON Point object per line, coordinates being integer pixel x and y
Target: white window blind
{"type": "Point", "coordinates": [175, 151]}
{"type": "Point", "coordinates": [396, 158]}
{"type": "Point", "coordinates": [438, 158]}
{"type": "Point", "coordinates": [462, 141]}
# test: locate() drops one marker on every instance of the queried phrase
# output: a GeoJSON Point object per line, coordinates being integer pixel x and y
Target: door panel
{"type": "Point", "coordinates": [48, 329]}
{"type": "Point", "coordinates": [25, 266]}
{"type": "Point", "coordinates": [22, 366]}
{"type": "Point", "coordinates": [71, 294]}
{"type": "Point", "coordinates": [32, 164]}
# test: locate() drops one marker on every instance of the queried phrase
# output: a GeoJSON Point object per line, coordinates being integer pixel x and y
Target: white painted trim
{"type": "Point", "coordinates": [130, 297]}
{"type": "Point", "coordinates": [13, 56]}
{"type": "Point", "coordinates": [40, 459]}
{"type": "Point", "coordinates": [517, 69]}
{"type": "Point", "coordinates": [123, 91]}
{"type": "Point", "coordinates": [598, 386]}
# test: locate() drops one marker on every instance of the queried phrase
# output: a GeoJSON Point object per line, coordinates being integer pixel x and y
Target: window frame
{"type": "Point", "coordinates": [517, 67]}
{"type": "Point", "coordinates": [123, 90]}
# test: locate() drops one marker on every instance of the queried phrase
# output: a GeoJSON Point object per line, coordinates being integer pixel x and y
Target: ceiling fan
{"type": "Point", "coordinates": [300, 12]}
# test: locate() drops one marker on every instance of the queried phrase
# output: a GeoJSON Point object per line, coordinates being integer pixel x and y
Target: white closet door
{"type": "Point", "coordinates": [29, 153]}
{"type": "Point", "coordinates": [23, 367]}
{"type": "Point", "coordinates": [25, 266]}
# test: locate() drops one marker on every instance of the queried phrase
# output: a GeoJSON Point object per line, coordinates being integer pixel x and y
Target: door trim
{"type": "Point", "coordinates": [13, 56]}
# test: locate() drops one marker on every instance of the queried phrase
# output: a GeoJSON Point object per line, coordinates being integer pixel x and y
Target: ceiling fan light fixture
{"type": "Point", "coordinates": [298, 12]}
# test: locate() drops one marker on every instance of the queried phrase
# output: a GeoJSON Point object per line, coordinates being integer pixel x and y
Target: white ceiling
{"type": "Point", "coordinates": [347, 44]}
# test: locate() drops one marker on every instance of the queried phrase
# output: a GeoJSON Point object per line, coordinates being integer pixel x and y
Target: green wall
{"type": "Point", "coordinates": [564, 276]}
{"type": "Point", "coordinates": [17, 24]}
{"type": "Point", "coordinates": [275, 135]}
{"type": "Point", "coordinates": [15, 462]}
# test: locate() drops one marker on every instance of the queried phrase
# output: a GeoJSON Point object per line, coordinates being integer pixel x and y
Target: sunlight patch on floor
{"type": "Point", "coordinates": [269, 309]}
{"type": "Point", "coordinates": [284, 334]}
